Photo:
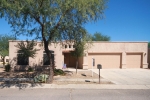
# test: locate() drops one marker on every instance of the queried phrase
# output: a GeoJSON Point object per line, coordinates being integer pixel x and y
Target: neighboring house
{"type": "Point", "coordinates": [108, 54]}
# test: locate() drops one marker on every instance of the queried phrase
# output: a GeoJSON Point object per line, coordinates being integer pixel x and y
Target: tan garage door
{"type": "Point", "coordinates": [106, 60]}
{"type": "Point", "coordinates": [134, 60]}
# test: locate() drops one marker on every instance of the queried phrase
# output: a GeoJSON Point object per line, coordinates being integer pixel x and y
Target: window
{"type": "Point", "coordinates": [7, 60]}
{"type": "Point", "coordinates": [73, 46]}
{"type": "Point", "coordinates": [22, 60]}
{"type": "Point", "coordinates": [46, 61]}
{"type": "Point", "coordinates": [93, 62]}
{"type": "Point", "coordinates": [65, 46]}
{"type": "Point", "coordinates": [69, 46]}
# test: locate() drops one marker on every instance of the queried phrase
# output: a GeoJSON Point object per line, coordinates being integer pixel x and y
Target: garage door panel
{"type": "Point", "coordinates": [134, 60]}
{"type": "Point", "coordinates": [106, 60]}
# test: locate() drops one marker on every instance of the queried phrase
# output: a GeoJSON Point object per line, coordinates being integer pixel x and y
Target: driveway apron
{"type": "Point", "coordinates": [126, 76]}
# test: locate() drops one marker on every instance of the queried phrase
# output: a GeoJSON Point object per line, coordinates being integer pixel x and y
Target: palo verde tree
{"type": "Point", "coordinates": [100, 37]}
{"type": "Point", "coordinates": [51, 20]}
{"type": "Point", "coordinates": [80, 46]}
{"type": "Point", "coordinates": [4, 45]}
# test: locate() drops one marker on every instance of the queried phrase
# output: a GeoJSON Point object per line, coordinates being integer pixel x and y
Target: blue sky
{"type": "Point", "coordinates": [125, 20]}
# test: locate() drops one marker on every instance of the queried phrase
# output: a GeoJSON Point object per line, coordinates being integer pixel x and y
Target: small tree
{"type": "Point", "coordinates": [148, 44]}
{"type": "Point", "coordinates": [78, 52]}
{"type": "Point", "coordinates": [80, 46]}
{"type": "Point", "coordinates": [26, 49]}
{"type": "Point", "coordinates": [4, 45]}
{"type": "Point", "coordinates": [100, 37]}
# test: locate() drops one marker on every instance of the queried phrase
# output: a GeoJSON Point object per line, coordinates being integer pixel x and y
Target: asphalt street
{"type": "Point", "coordinates": [73, 94]}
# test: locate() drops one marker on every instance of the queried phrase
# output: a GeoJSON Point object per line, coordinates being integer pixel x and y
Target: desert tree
{"type": "Point", "coordinates": [100, 37]}
{"type": "Point", "coordinates": [51, 20]}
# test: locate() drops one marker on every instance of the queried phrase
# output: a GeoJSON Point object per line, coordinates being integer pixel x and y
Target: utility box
{"type": "Point", "coordinates": [99, 66]}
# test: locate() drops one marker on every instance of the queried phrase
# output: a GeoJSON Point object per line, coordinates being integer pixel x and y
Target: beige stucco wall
{"type": "Point", "coordinates": [119, 47]}
{"type": "Point", "coordinates": [97, 47]}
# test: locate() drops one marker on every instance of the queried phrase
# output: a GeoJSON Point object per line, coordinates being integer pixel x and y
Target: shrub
{"type": "Point", "coordinates": [7, 68]}
{"type": "Point", "coordinates": [30, 69]}
{"type": "Point", "coordinates": [41, 78]}
{"type": "Point", "coordinates": [58, 72]}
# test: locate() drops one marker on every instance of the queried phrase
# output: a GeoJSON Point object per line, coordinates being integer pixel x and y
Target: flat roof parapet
{"type": "Point", "coordinates": [93, 41]}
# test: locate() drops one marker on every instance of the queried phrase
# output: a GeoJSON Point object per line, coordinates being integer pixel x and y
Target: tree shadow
{"type": "Point", "coordinates": [22, 78]}
{"type": "Point", "coordinates": [19, 85]}
{"type": "Point", "coordinates": [21, 81]}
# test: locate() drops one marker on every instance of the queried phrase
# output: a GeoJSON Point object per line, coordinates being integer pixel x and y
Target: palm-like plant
{"type": "Point", "coordinates": [26, 49]}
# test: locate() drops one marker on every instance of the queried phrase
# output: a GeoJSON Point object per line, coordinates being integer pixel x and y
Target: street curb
{"type": "Point", "coordinates": [73, 86]}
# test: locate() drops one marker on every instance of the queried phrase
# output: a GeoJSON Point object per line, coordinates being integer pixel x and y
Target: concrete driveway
{"type": "Point", "coordinates": [126, 76]}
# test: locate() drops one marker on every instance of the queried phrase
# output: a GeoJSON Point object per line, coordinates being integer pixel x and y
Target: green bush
{"type": "Point", "coordinates": [30, 69]}
{"type": "Point", "coordinates": [7, 68]}
{"type": "Point", "coordinates": [58, 72]}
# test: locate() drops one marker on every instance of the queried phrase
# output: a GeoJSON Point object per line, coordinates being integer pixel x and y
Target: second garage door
{"type": "Point", "coordinates": [106, 60]}
{"type": "Point", "coordinates": [134, 60]}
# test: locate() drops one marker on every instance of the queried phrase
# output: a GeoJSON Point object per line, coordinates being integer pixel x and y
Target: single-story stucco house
{"type": "Point", "coordinates": [108, 54]}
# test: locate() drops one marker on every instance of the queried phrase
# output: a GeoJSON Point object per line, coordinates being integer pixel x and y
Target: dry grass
{"type": "Point", "coordinates": [82, 77]}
